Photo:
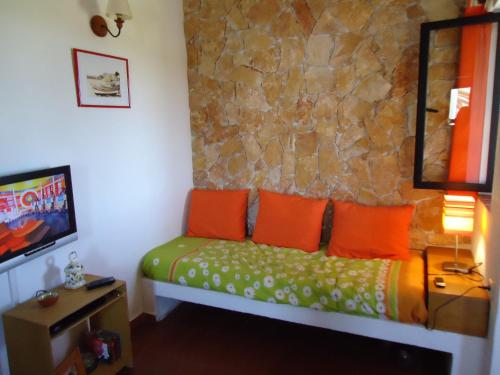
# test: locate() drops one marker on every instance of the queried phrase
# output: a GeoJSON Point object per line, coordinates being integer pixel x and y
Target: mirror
{"type": "Point", "coordinates": [458, 100]}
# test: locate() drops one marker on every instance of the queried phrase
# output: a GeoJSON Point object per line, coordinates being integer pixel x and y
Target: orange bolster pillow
{"type": "Point", "coordinates": [218, 214]}
{"type": "Point", "coordinates": [289, 221]}
{"type": "Point", "coordinates": [370, 232]}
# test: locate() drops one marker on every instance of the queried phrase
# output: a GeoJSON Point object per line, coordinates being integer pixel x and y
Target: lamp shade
{"type": "Point", "coordinates": [118, 9]}
{"type": "Point", "coordinates": [458, 214]}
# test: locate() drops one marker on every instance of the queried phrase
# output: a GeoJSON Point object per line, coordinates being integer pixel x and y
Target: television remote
{"type": "Point", "coordinates": [100, 283]}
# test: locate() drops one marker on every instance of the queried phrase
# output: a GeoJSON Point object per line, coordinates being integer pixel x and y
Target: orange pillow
{"type": "Point", "coordinates": [289, 221]}
{"type": "Point", "coordinates": [370, 232]}
{"type": "Point", "coordinates": [218, 214]}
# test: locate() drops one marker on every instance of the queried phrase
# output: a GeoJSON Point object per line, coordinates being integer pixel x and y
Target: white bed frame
{"type": "Point", "coordinates": [468, 352]}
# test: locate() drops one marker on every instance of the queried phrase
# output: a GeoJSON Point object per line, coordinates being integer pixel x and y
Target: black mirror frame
{"type": "Point", "coordinates": [425, 30]}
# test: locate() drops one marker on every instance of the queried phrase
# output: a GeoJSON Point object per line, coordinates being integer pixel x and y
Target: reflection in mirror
{"type": "Point", "coordinates": [458, 107]}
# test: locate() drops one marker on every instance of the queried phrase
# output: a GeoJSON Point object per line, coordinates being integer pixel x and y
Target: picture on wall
{"type": "Point", "coordinates": [101, 80]}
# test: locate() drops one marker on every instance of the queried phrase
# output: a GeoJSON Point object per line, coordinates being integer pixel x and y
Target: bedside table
{"type": "Point", "coordinates": [467, 314]}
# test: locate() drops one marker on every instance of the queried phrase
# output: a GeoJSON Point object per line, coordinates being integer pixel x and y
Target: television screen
{"type": "Point", "coordinates": [36, 211]}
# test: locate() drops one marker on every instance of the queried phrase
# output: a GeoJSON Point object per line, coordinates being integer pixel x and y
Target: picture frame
{"type": "Point", "coordinates": [101, 80]}
{"type": "Point", "coordinates": [71, 365]}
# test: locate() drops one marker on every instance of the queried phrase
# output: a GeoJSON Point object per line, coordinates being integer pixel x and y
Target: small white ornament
{"type": "Point", "coordinates": [74, 273]}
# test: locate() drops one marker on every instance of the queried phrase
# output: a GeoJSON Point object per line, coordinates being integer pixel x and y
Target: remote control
{"type": "Point", "coordinates": [100, 283]}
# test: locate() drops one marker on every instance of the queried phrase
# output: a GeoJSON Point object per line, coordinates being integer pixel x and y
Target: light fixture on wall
{"type": "Point", "coordinates": [118, 10]}
{"type": "Point", "coordinates": [458, 219]}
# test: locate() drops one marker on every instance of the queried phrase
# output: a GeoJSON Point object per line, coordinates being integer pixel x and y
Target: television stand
{"type": "Point", "coordinates": [39, 338]}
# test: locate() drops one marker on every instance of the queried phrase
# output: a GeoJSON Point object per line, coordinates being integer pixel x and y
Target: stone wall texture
{"type": "Point", "coordinates": [442, 74]}
{"type": "Point", "coordinates": [313, 97]}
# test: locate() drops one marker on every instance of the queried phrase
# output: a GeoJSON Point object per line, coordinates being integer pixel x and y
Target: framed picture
{"type": "Point", "coordinates": [71, 365]}
{"type": "Point", "coordinates": [101, 80]}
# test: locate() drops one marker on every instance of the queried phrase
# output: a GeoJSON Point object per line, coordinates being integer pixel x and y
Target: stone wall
{"type": "Point", "coordinates": [313, 97]}
{"type": "Point", "coordinates": [442, 77]}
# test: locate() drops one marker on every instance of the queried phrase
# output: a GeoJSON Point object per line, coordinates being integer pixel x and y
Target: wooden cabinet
{"type": "Point", "coordinates": [39, 338]}
{"type": "Point", "coordinates": [467, 314]}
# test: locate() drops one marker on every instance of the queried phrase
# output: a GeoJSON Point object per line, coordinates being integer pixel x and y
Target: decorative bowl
{"type": "Point", "coordinates": [46, 298]}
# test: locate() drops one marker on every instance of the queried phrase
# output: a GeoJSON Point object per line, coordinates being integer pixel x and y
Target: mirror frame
{"type": "Point", "coordinates": [425, 30]}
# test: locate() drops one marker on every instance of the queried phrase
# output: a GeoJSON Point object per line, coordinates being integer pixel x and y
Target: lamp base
{"type": "Point", "coordinates": [99, 26]}
{"type": "Point", "coordinates": [455, 267]}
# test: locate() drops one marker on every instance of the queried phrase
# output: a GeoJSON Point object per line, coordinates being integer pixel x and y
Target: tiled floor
{"type": "Point", "coordinates": [196, 339]}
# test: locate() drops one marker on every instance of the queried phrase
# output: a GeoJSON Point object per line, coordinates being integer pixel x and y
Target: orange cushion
{"type": "Point", "coordinates": [289, 221]}
{"type": "Point", "coordinates": [370, 232]}
{"type": "Point", "coordinates": [218, 214]}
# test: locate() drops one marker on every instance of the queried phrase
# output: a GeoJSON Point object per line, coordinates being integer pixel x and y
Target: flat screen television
{"type": "Point", "coordinates": [37, 214]}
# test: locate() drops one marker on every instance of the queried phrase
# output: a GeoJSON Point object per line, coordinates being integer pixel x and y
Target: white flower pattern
{"type": "Point", "coordinates": [350, 304]}
{"type": "Point", "coordinates": [268, 281]}
{"type": "Point", "coordinates": [336, 295]}
{"type": "Point", "coordinates": [317, 306]}
{"type": "Point", "coordinates": [231, 288]}
{"type": "Point", "coordinates": [279, 294]}
{"type": "Point", "coordinates": [216, 279]}
{"type": "Point", "coordinates": [288, 276]}
{"type": "Point", "coordinates": [249, 292]}
{"type": "Point", "coordinates": [380, 308]}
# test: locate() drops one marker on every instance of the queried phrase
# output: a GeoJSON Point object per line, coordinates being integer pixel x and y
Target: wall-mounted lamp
{"type": "Point", "coordinates": [118, 10]}
{"type": "Point", "coordinates": [458, 219]}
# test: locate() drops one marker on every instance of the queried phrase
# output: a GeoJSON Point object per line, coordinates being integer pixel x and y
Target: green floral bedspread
{"type": "Point", "coordinates": [279, 275]}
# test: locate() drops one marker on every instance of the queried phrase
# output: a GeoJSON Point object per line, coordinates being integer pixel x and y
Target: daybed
{"type": "Point", "coordinates": [377, 298]}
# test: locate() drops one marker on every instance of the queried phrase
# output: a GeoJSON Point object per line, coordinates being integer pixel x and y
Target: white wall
{"type": "Point", "coordinates": [492, 250]}
{"type": "Point", "coordinates": [131, 167]}
{"type": "Point", "coordinates": [486, 248]}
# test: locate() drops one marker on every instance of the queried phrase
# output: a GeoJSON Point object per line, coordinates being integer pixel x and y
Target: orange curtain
{"type": "Point", "coordinates": [467, 134]}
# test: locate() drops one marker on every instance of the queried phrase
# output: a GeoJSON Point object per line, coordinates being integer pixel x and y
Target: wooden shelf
{"type": "Point", "coordinates": [49, 334]}
{"type": "Point", "coordinates": [86, 316]}
{"type": "Point", "coordinates": [73, 300]}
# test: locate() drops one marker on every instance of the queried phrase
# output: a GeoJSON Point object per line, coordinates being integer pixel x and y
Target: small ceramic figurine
{"type": "Point", "coordinates": [74, 272]}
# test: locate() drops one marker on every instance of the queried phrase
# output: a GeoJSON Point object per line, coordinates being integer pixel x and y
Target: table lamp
{"type": "Point", "coordinates": [458, 219]}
